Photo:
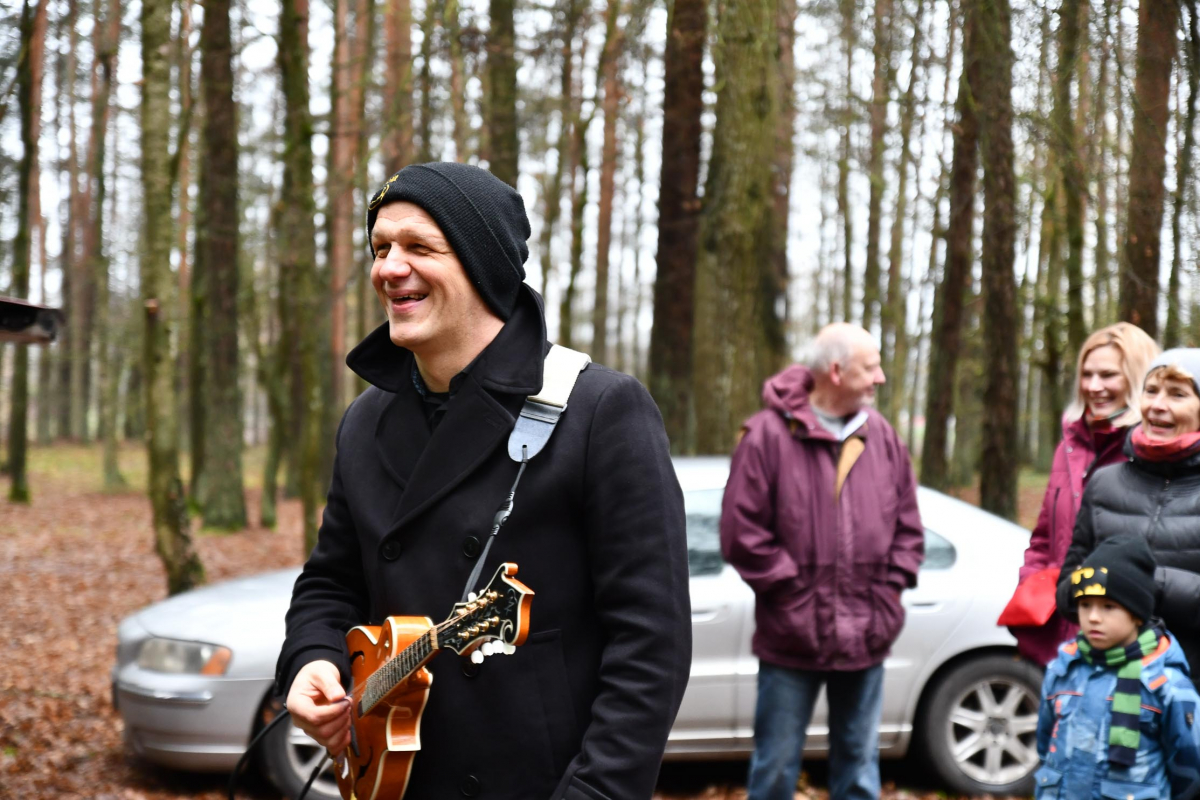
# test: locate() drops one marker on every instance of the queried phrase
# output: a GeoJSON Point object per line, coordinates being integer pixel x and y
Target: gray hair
{"type": "Point", "coordinates": [834, 344]}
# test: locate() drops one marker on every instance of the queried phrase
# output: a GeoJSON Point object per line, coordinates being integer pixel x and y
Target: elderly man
{"type": "Point", "coordinates": [583, 709]}
{"type": "Point", "coordinates": [820, 519]}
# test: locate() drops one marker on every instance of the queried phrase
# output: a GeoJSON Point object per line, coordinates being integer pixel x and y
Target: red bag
{"type": "Point", "coordinates": [1033, 603]}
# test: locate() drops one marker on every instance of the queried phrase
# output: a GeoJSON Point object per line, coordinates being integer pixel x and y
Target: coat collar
{"type": "Point", "coordinates": [485, 404]}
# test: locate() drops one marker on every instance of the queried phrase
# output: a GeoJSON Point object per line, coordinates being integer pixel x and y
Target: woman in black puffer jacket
{"type": "Point", "coordinates": [1157, 494]}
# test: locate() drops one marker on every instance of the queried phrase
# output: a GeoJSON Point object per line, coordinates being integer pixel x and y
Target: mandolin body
{"type": "Point", "coordinates": [385, 739]}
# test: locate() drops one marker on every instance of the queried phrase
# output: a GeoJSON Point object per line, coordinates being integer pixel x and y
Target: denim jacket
{"type": "Point", "coordinates": [1073, 723]}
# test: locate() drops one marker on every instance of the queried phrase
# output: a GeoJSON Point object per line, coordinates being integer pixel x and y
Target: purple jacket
{"type": "Point", "coordinates": [827, 573]}
{"type": "Point", "coordinates": [1079, 454]}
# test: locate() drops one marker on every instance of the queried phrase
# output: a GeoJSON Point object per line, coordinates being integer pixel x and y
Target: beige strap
{"type": "Point", "coordinates": [561, 370]}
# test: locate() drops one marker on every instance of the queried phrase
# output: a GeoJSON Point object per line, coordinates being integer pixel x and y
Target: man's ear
{"type": "Point", "coordinates": [835, 374]}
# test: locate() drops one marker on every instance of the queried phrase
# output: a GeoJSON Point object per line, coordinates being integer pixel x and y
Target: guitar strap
{"type": "Point", "coordinates": [537, 421]}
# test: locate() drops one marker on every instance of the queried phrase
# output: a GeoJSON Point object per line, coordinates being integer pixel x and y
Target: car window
{"type": "Point", "coordinates": [939, 553]}
{"type": "Point", "coordinates": [703, 509]}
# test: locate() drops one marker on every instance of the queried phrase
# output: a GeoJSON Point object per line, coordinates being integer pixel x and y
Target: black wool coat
{"type": "Point", "coordinates": [1161, 501]}
{"type": "Point", "coordinates": [583, 709]}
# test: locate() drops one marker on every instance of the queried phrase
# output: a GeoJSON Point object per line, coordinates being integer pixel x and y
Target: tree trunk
{"type": "Point", "coordinates": [579, 199]}
{"type": "Point", "coordinates": [1071, 171]}
{"type": "Point", "coordinates": [1183, 175]}
{"type": "Point", "coordinates": [340, 191]}
{"type": "Point", "coordinates": [881, 49]}
{"type": "Point", "coordinates": [502, 84]}
{"type": "Point", "coordinates": [224, 501]}
{"type": "Point", "coordinates": [1102, 290]}
{"type": "Point", "coordinates": [849, 11]}
{"type": "Point", "coordinates": [670, 358]}
{"type": "Point", "coordinates": [552, 194]}
{"type": "Point", "coordinates": [776, 275]}
{"type": "Point", "coordinates": [298, 264]}
{"type": "Point", "coordinates": [397, 144]}
{"type": "Point", "coordinates": [946, 337]}
{"type": "Point", "coordinates": [737, 228]}
{"type": "Point", "coordinates": [183, 163]}
{"type": "Point", "coordinates": [173, 539]}
{"type": "Point", "coordinates": [425, 82]}
{"type": "Point", "coordinates": [992, 36]}
{"type": "Point", "coordinates": [105, 35]}
{"type": "Point", "coordinates": [29, 73]}
{"type": "Point", "coordinates": [458, 94]}
{"type": "Point", "coordinates": [1157, 22]}
{"type": "Point", "coordinates": [608, 71]}
{"type": "Point", "coordinates": [46, 400]}
{"type": "Point", "coordinates": [78, 306]}
{"type": "Point", "coordinates": [895, 310]}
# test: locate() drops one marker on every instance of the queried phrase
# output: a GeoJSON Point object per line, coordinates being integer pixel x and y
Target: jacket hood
{"type": "Point", "coordinates": [787, 391]}
{"type": "Point", "coordinates": [511, 363]}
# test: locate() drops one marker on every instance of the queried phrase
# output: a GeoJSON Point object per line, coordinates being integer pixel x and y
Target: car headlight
{"type": "Point", "coordinates": [187, 658]}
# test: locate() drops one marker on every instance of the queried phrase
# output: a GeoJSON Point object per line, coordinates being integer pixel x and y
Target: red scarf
{"type": "Point", "coordinates": [1176, 449]}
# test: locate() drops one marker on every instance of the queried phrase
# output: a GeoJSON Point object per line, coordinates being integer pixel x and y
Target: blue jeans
{"type": "Point", "coordinates": [785, 705]}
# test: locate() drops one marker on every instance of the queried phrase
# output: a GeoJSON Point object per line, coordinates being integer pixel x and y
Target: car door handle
{"type": "Point", "coordinates": [708, 614]}
{"type": "Point", "coordinates": [926, 606]}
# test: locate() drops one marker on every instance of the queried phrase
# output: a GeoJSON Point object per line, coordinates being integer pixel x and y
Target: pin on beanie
{"type": "Point", "coordinates": [481, 216]}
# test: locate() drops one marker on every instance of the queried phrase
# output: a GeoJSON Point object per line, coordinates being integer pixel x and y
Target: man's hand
{"type": "Point", "coordinates": [319, 705]}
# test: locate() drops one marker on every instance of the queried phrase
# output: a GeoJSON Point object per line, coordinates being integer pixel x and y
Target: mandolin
{"type": "Point", "coordinates": [390, 684]}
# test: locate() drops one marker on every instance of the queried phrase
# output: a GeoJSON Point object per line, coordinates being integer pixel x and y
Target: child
{"type": "Point", "coordinates": [1118, 713]}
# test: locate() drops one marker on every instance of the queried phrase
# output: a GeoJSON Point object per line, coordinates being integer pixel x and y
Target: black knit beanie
{"type": "Point", "coordinates": [1122, 569]}
{"type": "Point", "coordinates": [482, 217]}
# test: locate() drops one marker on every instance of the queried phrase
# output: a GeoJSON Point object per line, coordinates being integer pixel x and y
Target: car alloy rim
{"type": "Point", "coordinates": [303, 754]}
{"type": "Point", "coordinates": [992, 731]}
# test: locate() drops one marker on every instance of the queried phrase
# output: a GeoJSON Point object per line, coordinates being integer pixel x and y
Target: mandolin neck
{"type": "Point", "coordinates": [398, 669]}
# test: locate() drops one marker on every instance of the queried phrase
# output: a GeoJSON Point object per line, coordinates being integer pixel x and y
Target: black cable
{"type": "Point", "coordinates": [254, 742]}
{"type": "Point", "coordinates": [313, 776]}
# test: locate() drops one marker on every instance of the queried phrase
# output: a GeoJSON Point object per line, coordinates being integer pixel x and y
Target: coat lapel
{"type": "Point", "coordinates": [401, 436]}
{"type": "Point", "coordinates": [474, 425]}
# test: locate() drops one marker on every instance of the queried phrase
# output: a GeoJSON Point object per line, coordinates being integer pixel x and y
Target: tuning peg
{"type": "Point", "coordinates": [477, 657]}
{"type": "Point", "coordinates": [487, 648]}
{"type": "Point", "coordinates": [508, 649]}
{"type": "Point", "coordinates": [471, 596]}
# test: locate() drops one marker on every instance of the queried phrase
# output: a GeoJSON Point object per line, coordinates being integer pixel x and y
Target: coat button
{"type": "Point", "coordinates": [471, 547]}
{"type": "Point", "coordinates": [469, 786]}
{"type": "Point", "coordinates": [469, 668]}
{"type": "Point", "coordinates": [391, 550]}
{"type": "Point", "coordinates": [1070, 449]}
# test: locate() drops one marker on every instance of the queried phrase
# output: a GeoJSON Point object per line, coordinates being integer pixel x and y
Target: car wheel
{"type": "Point", "coordinates": [289, 755]}
{"type": "Point", "coordinates": [979, 727]}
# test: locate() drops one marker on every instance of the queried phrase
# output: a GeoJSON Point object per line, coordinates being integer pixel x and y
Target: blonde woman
{"type": "Point", "coordinates": [1108, 384]}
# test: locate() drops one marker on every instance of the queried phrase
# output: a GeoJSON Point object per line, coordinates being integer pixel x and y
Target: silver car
{"type": "Point", "coordinates": [193, 675]}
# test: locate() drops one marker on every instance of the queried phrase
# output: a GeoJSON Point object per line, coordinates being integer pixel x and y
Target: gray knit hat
{"type": "Point", "coordinates": [1186, 358]}
{"type": "Point", "coordinates": [482, 217]}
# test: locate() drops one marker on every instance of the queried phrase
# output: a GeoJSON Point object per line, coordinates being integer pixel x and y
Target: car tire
{"type": "Point", "coordinates": [289, 757]}
{"type": "Point", "coordinates": [978, 728]}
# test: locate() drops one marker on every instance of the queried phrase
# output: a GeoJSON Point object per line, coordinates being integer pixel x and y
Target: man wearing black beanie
{"type": "Point", "coordinates": [583, 709]}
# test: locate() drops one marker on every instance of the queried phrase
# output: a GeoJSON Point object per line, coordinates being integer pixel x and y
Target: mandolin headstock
{"type": "Point", "coordinates": [500, 612]}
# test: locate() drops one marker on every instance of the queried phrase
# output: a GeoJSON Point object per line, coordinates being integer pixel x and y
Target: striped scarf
{"type": "Point", "coordinates": [1123, 732]}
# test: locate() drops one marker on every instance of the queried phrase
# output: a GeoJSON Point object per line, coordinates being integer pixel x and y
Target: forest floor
{"type": "Point", "coordinates": [78, 560]}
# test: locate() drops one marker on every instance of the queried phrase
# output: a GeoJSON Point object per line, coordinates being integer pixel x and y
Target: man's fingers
{"type": "Point", "coordinates": [317, 714]}
{"type": "Point", "coordinates": [331, 730]}
{"type": "Point", "coordinates": [330, 685]}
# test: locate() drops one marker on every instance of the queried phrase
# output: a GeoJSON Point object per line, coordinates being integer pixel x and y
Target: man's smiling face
{"type": "Point", "coordinates": [429, 299]}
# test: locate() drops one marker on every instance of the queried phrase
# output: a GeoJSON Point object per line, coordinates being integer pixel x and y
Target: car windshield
{"type": "Point", "coordinates": [703, 508]}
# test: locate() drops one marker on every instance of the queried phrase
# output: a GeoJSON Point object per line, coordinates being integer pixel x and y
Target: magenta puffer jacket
{"type": "Point", "coordinates": [1080, 453]}
{"type": "Point", "coordinates": [827, 574]}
